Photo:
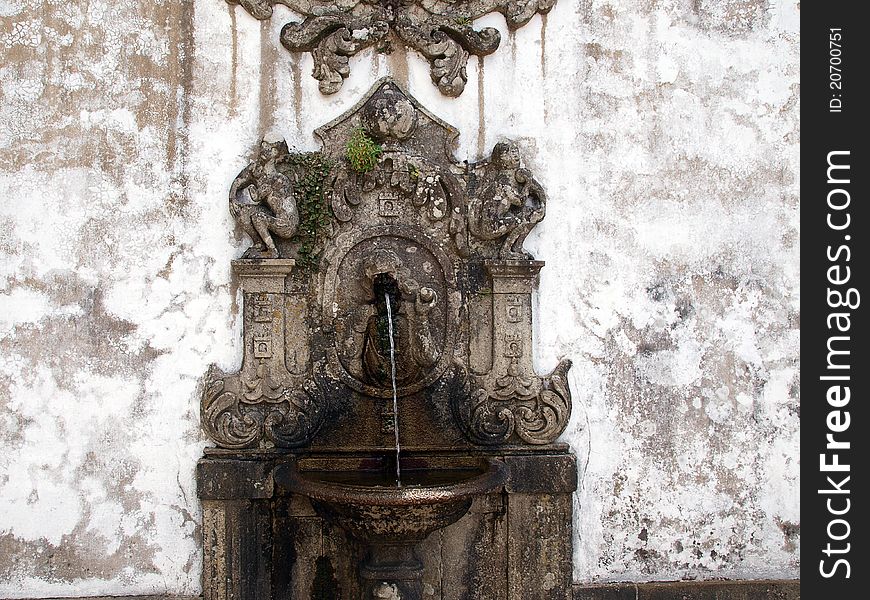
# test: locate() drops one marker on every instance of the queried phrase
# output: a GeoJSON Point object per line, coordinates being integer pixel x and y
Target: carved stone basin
{"type": "Point", "coordinates": [369, 505]}
{"type": "Point", "coordinates": [392, 520]}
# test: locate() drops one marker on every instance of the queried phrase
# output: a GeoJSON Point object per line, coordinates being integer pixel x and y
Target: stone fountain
{"type": "Point", "coordinates": [386, 436]}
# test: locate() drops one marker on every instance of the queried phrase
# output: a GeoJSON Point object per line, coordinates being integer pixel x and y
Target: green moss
{"type": "Point", "coordinates": [383, 326]}
{"type": "Point", "coordinates": [362, 152]}
{"type": "Point", "coordinates": [312, 192]}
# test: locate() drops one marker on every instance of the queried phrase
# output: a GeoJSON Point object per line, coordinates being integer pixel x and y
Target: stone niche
{"type": "Point", "coordinates": [385, 218]}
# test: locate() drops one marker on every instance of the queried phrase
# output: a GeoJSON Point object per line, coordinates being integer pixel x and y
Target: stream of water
{"type": "Point", "coordinates": [395, 399]}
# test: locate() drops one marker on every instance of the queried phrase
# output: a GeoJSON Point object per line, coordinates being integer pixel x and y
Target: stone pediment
{"type": "Point", "coordinates": [384, 222]}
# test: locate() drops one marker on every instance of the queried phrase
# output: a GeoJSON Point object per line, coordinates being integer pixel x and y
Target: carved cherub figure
{"type": "Point", "coordinates": [262, 201]}
{"type": "Point", "coordinates": [509, 203]}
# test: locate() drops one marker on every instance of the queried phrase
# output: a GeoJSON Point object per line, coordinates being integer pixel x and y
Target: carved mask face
{"type": "Point", "coordinates": [384, 286]}
{"type": "Point", "coordinates": [269, 151]}
{"type": "Point", "coordinates": [390, 118]}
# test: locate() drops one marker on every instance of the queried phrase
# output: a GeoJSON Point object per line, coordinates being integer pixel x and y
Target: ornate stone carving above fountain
{"type": "Point", "coordinates": [439, 30]}
{"type": "Point", "coordinates": [387, 302]}
{"type": "Point", "coordinates": [385, 208]}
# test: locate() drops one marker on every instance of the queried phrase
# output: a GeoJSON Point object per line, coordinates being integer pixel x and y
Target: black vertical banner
{"type": "Point", "coordinates": [835, 344]}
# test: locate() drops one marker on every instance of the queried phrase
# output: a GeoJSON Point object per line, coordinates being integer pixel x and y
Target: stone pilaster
{"type": "Point", "coordinates": [262, 283]}
{"type": "Point", "coordinates": [513, 282]}
{"type": "Point", "coordinates": [237, 529]}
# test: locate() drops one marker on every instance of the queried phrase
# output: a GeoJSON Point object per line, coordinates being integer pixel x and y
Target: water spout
{"type": "Point", "coordinates": [393, 379]}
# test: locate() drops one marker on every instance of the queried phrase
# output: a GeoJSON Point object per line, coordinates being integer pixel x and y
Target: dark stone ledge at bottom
{"type": "Point", "coordinates": [676, 590]}
{"type": "Point", "coordinates": [692, 590]}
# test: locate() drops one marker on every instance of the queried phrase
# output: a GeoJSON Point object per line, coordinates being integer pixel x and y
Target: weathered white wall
{"type": "Point", "coordinates": [666, 133]}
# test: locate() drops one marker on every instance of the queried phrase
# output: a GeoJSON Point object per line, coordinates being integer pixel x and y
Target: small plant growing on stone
{"type": "Point", "coordinates": [362, 152]}
{"type": "Point", "coordinates": [312, 193]}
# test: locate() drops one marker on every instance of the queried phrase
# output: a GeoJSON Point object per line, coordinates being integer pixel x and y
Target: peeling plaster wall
{"type": "Point", "coordinates": [666, 133]}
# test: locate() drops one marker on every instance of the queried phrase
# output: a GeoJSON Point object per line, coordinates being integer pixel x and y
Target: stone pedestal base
{"type": "Point", "coordinates": [512, 545]}
{"type": "Point", "coordinates": [391, 572]}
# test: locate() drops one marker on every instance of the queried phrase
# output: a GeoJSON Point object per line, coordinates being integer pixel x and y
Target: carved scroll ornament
{"type": "Point", "coordinates": [535, 410]}
{"type": "Point", "coordinates": [440, 30]}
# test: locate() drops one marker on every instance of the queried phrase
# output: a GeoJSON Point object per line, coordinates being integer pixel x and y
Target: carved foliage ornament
{"type": "Point", "coordinates": [440, 30]}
